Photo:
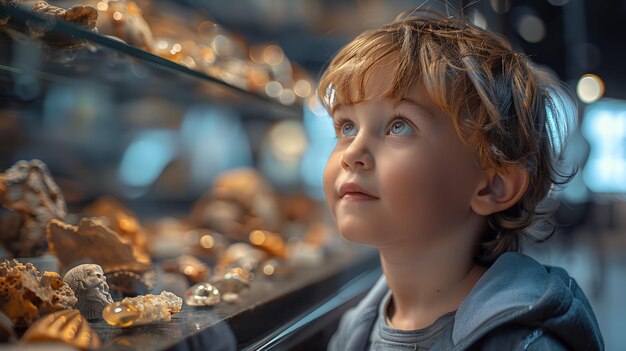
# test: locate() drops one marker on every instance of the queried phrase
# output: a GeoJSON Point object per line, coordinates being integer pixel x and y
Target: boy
{"type": "Point", "coordinates": [446, 144]}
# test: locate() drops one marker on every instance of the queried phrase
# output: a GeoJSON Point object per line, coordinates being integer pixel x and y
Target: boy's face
{"type": "Point", "coordinates": [399, 175]}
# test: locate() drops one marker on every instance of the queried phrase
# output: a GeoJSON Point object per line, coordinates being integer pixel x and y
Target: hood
{"type": "Point", "coordinates": [520, 290]}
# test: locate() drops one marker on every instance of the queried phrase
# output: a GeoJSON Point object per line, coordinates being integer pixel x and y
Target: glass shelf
{"type": "Point", "coordinates": [127, 70]}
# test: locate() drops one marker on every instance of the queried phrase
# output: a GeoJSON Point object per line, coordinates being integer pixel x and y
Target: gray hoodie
{"type": "Point", "coordinates": [518, 304]}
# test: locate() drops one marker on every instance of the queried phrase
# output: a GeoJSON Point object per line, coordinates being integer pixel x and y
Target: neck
{"type": "Point", "coordinates": [428, 282]}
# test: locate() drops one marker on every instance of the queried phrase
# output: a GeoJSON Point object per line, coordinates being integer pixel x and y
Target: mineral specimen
{"type": "Point", "coordinates": [93, 242]}
{"type": "Point", "coordinates": [121, 314]}
{"type": "Point", "coordinates": [242, 255]}
{"type": "Point", "coordinates": [230, 283]}
{"type": "Point", "coordinates": [151, 308]}
{"type": "Point", "coordinates": [203, 294]}
{"type": "Point", "coordinates": [122, 221]}
{"type": "Point", "coordinates": [240, 201]}
{"type": "Point", "coordinates": [271, 243]}
{"type": "Point", "coordinates": [124, 19]}
{"type": "Point", "coordinates": [28, 189]}
{"type": "Point", "coordinates": [193, 269]}
{"type": "Point", "coordinates": [82, 16]}
{"type": "Point", "coordinates": [25, 295]}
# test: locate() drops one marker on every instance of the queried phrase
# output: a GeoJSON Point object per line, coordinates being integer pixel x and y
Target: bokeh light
{"type": "Point", "coordinates": [590, 88]}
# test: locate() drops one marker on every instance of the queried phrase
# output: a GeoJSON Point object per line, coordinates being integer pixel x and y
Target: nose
{"type": "Point", "coordinates": [357, 155]}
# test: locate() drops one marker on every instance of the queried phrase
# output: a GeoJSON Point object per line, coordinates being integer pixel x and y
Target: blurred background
{"type": "Point", "coordinates": [110, 120]}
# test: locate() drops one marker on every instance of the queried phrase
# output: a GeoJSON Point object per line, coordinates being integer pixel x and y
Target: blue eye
{"type": "Point", "coordinates": [400, 127]}
{"type": "Point", "coordinates": [348, 129]}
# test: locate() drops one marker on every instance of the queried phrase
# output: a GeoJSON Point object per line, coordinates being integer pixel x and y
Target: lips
{"type": "Point", "coordinates": [353, 191]}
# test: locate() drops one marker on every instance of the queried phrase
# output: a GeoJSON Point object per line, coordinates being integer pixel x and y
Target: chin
{"type": "Point", "coordinates": [359, 234]}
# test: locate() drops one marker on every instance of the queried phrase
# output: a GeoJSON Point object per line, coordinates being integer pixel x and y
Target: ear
{"type": "Point", "coordinates": [501, 190]}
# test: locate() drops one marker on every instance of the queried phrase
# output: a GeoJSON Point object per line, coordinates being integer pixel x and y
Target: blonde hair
{"type": "Point", "coordinates": [501, 106]}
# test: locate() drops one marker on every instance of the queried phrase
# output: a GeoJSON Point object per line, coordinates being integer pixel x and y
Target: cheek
{"type": "Point", "coordinates": [427, 193]}
{"type": "Point", "coordinates": [409, 188]}
{"type": "Point", "coordinates": [331, 172]}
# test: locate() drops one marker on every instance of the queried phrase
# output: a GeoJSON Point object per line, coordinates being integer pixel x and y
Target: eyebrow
{"type": "Point", "coordinates": [410, 101]}
{"type": "Point", "coordinates": [336, 108]}
{"type": "Point", "coordinates": [405, 100]}
{"type": "Point", "coordinates": [413, 103]}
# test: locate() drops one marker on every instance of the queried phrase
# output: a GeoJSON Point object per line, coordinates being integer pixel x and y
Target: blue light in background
{"type": "Point", "coordinates": [322, 140]}
{"type": "Point", "coordinates": [214, 141]}
{"type": "Point", "coordinates": [146, 157]}
{"type": "Point", "coordinates": [604, 126]}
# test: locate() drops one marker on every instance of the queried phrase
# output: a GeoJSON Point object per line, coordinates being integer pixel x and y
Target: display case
{"type": "Point", "coordinates": [161, 109]}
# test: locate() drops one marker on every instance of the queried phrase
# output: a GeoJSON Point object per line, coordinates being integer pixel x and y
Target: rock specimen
{"type": "Point", "coordinates": [26, 295]}
{"type": "Point", "coordinates": [29, 191]}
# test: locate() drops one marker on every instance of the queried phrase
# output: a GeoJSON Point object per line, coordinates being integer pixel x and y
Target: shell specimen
{"type": "Point", "coordinates": [91, 289]}
{"type": "Point", "coordinates": [25, 295]}
{"type": "Point", "coordinates": [28, 189]}
{"type": "Point", "coordinates": [66, 326]}
{"type": "Point", "coordinates": [91, 241]}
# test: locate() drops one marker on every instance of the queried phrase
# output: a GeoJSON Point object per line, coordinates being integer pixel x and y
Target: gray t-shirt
{"type": "Point", "coordinates": [385, 337]}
